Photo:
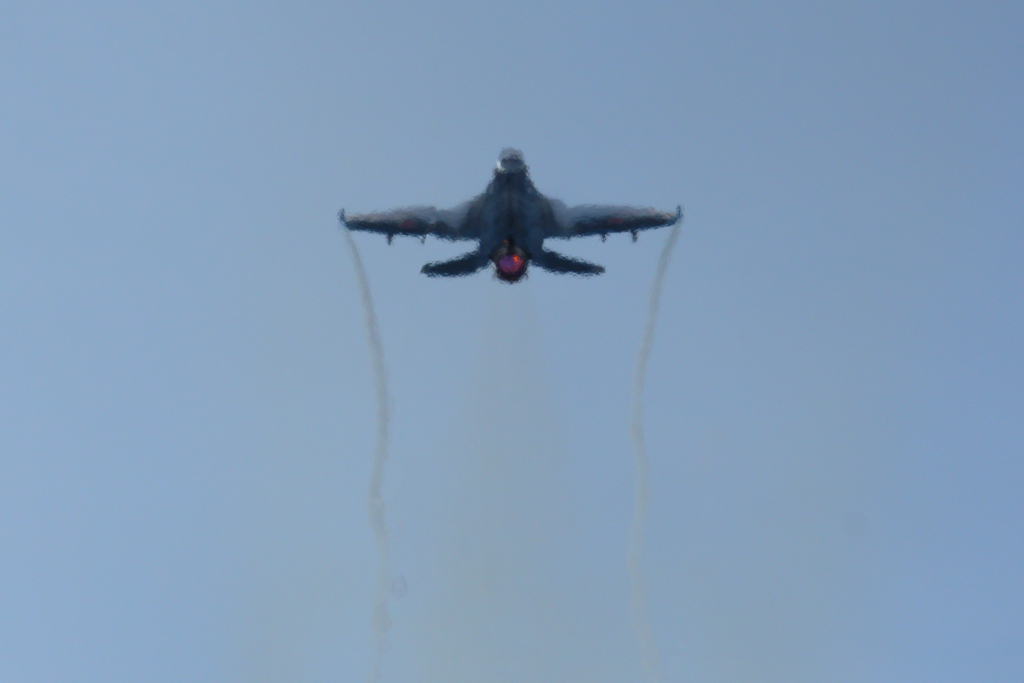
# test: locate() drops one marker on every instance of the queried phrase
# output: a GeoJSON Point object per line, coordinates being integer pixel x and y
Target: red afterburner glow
{"type": "Point", "coordinates": [510, 266]}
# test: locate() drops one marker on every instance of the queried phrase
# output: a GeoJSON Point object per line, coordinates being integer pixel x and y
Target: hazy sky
{"type": "Point", "coordinates": [835, 405]}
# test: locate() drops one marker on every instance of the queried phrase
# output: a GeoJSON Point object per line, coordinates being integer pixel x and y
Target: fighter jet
{"type": "Point", "coordinates": [510, 221]}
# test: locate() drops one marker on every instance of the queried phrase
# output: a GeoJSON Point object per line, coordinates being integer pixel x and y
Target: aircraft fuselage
{"type": "Point", "coordinates": [511, 218]}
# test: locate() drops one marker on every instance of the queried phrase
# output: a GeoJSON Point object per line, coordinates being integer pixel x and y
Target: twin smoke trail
{"type": "Point", "coordinates": [381, 621]}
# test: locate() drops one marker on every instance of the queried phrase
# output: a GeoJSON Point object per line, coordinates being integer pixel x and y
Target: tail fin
{"type": "Point", "coordinates": [467, 264]}
{"type": "Point", "coordinates": [557, 263]}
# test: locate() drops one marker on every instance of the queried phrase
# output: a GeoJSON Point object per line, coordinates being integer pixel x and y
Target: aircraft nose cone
{"type": "Point", "coordinates": [511, 160]}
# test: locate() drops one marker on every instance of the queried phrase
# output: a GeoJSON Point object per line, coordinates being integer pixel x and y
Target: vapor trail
{"type": "Point", "coordinates": [634, 550]}
{"type": "Point", "coordinates": [381, 620]}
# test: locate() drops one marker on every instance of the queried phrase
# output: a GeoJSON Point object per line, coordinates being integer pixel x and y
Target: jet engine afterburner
{"type": "Point", "coordinates": [510, 262]}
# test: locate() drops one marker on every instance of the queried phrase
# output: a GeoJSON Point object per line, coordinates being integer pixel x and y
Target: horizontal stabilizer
{"type": "Point", "coordinates": [557, 263]}
{"type": "Point", "coordinates": [467, 264]}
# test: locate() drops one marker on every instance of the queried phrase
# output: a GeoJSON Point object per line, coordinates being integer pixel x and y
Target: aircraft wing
{"type": "Point", "coordinates": [581, 221]}
{"type": "Point", "coordinates": [417, 221]}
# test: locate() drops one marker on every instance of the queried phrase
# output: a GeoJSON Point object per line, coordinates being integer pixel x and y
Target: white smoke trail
{"type": "Point", "coordinates": [381, 620]}
{"type": "Point", "coordinates": [634, 550]}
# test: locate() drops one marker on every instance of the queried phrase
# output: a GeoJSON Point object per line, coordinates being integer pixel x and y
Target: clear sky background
{"type": "Point", "coordinates": [835, 405]}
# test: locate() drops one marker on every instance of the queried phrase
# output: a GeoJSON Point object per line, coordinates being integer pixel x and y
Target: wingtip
{"type": "Point", "coordinates": [679, 213]}
{"type": "Point", "coordinates": [341, 217]}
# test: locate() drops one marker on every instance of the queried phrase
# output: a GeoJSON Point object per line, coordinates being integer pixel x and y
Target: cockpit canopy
{"type": "Point", "coordinates": [511, 161]}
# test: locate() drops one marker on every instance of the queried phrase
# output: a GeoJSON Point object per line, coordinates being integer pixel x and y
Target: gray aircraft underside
{"type": "Point", "coordinates": [511, 220]}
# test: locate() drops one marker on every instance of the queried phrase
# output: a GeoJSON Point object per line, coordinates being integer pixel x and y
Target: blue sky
{"type": "Point", "coordinates": [834, 404]}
